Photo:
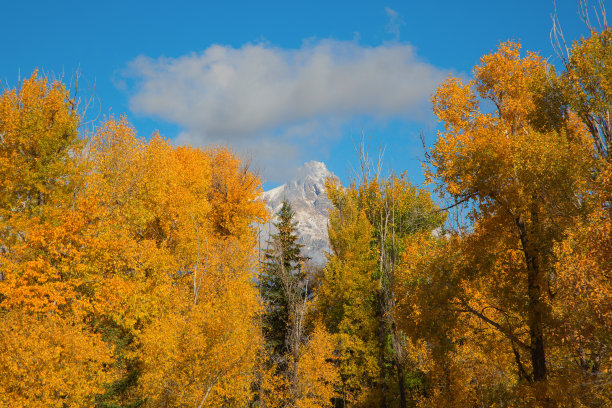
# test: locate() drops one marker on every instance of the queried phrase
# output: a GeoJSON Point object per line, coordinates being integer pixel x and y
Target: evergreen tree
{"type": "Point", "coordinates": [281, 282]}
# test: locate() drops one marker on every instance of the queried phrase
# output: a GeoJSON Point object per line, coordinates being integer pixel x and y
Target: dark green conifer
{"type": "Point", "coordinates": [281, 281]}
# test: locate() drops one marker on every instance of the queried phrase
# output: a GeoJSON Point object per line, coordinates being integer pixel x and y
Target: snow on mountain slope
{"type": "Point", "coordinates": [307, 197]}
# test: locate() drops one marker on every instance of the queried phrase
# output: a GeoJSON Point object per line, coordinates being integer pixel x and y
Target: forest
{"type": "Point", "coordinates": [131, 273]}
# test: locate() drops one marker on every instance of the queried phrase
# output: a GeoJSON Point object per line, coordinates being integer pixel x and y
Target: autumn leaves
{"type": "Point", "coordinates": [519, 151]}
{"type": "Point", "coordinates": [127, 265]}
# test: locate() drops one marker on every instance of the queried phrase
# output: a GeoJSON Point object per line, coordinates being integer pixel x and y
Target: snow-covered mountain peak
{"type": "Point", "coordinates": [306, 195]}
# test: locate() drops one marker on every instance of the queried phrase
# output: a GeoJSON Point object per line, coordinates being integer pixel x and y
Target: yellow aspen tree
{"type": "Point", "coordinates": [200, 350]}
{"type": "Point", "coordinates": [48, 331]}
{"type": "Point", "coordinates": [318, 377]}
{"type": "Point", "coordinates": [346, 298]}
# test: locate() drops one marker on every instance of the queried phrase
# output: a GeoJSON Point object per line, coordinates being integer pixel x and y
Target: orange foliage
{"type": "Point", "coordinates": [115, 234]}
{"type": "Point", "coordinates": [50, 361]}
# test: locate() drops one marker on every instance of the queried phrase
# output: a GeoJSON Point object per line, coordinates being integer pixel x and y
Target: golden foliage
{"type": "Point", "coordinates": [127, 265]}
{"type": "Point", "coordinates": [318, 376]}
{"type": "Point", "coordinates": [50, 361]}
{"type": "Point", "coordinates": [114, 234]}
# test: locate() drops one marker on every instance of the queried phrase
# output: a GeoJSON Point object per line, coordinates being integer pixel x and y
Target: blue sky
{"type": "Point", "coordinates": [285, 82]}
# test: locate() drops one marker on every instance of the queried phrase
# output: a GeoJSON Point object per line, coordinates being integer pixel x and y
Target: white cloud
{"type": "Point", "coordinates": [259, 95]}
{"type": "Point", "coordinates": [395, 21]}
{"type": "Point", "coordinates": [237, 92]}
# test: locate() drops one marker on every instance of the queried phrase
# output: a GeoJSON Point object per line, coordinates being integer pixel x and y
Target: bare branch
{"type": "Point", "coordinates": [557, 39]}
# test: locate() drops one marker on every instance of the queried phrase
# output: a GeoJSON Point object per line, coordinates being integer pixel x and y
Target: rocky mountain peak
{"type": "Point", "coordinates": [306, 194]}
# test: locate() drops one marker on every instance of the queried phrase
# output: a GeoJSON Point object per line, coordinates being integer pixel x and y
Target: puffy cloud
{"type": "Point", "coordinates": [235, 93]}
{"type": "Point", "coordinates": [260, 95]}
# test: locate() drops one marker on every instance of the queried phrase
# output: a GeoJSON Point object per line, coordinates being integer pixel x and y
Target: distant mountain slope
{"type": "Point", "coordinates": [307, 197]}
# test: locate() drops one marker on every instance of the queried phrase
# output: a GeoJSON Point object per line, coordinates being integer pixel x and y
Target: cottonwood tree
{"type": "Point", "coordinates": [519, 159]}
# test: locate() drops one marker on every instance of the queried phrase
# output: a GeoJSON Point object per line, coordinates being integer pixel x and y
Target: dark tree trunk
{"type": "Point", "coordinates": [535, 305]}
{"type": "Point", "coordinates": [401, 384]}
{"type": "Point", "coordinates": [382, 338]}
